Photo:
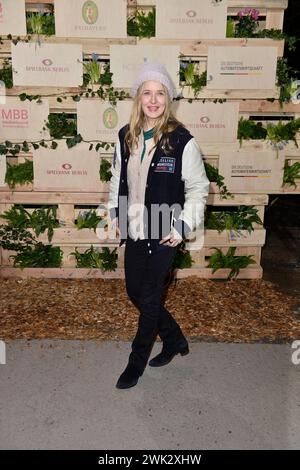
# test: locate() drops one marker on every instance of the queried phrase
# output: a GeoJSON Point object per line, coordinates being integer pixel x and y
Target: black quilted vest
{"type": "Point", "coordinates": [164, 183]}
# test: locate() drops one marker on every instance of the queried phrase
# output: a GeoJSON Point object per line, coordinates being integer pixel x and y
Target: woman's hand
{"type": "Point", "coordinates": [115, 226]}
{"type": "Point", "coordinates": [173, 239]}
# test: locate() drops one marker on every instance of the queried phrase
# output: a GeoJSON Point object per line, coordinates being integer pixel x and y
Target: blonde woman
{"type": "Point", "coordinates": [158, 193]}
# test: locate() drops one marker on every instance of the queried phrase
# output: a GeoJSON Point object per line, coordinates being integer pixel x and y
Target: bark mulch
{"type": "Point", "coordinates": [207, 310]}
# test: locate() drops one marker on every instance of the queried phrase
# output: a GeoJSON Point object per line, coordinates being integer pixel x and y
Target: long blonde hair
{"type": "Point", "coordinates": [165, 124]}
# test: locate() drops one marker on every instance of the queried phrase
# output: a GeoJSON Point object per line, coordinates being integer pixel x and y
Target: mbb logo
{"type": "Point", "coordinates": [14, 114]}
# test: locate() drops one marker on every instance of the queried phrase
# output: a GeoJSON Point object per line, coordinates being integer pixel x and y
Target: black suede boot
{"type": "Point", "coordinates": [129, 378]}
{"type": "Point", "coordinates": [166, 356]}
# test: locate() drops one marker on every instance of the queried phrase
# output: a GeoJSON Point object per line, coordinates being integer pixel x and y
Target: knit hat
{"type": "Point", "coordinates": [154, 71]}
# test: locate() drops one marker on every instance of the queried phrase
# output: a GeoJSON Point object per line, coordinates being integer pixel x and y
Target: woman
{"type": "Point", "coordinates": [157, 196]}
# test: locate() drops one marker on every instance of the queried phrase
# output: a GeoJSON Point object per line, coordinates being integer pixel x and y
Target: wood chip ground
{"type": "Point", "coordinates": [207, 310]}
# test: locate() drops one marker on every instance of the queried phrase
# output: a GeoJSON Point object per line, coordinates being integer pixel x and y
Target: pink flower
{"type": "Point", "coordinates": [254, 14]}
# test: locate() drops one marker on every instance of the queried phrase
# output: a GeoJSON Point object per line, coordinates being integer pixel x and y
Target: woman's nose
{"type": "Point", "coordinates": [153, 98]}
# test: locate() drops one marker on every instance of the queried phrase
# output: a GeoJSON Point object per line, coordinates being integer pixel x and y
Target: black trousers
{"type": "Point", "coordinates": [145, 274]}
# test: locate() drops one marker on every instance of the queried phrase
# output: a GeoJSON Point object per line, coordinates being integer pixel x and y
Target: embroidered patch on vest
{"type": "Point", "coordinates": [166, 164]}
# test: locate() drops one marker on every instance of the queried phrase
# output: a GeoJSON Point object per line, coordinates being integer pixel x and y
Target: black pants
{"type": "Point", "coordinates": [145, 275]}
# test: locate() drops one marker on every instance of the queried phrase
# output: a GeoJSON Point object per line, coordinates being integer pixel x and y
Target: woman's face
{"type": "Point", "coordinates": [153, 100]}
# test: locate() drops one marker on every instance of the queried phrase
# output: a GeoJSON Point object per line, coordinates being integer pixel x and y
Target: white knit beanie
{"type": "Point", "coordinates": [154, 71]}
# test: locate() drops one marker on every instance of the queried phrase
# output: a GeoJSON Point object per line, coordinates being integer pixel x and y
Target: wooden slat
{"type": "Point", "coordinates": [80, 273]}
{"type": "Point", "coordinates": [195, 48]}
{"type": "Point", "coordinates": [89, 45]}
{"type": "Point", "coordinates": [188, 47]}
{"type": "Point", "coordinates": [188, 93]}
{"type": "Point", "coordinates": [235, 3]}
{"type": "Point", "coordinates": [274, 18]}
{"type": "Point", "coordinates": [84, 237]}
{"type": "Point", "coordinates": [231, 3]}
{"type": "Point", "coordinates": [252, 106]}
{"type": "Point", "coordinates": [24, 197]}
{"type": "Point", "coordinates": [63, 273]}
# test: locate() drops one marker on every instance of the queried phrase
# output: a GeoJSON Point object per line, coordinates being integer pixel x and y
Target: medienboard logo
{"type": "Point", "coordinates": [2, 352]}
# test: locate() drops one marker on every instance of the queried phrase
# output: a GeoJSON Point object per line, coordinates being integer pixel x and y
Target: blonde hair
{"type": "Point", "coordinates": [165, 124]}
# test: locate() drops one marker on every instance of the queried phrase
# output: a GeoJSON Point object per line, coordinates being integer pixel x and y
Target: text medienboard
{"type": "Point", "coordinates": [23, 120]}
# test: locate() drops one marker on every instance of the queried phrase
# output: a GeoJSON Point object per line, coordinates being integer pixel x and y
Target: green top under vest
{"type": "Point", "coordinates": [147, 135]}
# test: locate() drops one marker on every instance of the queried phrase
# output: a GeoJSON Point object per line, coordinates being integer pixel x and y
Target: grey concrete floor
{"type": "Point", "coordinates": [61, 395]}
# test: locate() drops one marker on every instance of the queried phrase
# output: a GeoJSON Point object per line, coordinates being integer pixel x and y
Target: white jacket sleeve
{"type": "Point", "coordinates": [114, 182]}
{"type": "Point", "coordinates": [196, 188]}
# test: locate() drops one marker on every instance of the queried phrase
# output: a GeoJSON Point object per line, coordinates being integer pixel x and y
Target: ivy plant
{"type": "Point", "coordinates": [214, 176]}
{"type": "Point", "coordinates": [277, 34]}
{"type": "Point", "coordinates": [60, 125]}
{"type": "Point", "coordinates": [9, 148]}
{"type": "Point", "coordinates": [30, 252]}
{"type": "Point", "coordinates": [6, 74]}
{"type": "Point", "coordinates": [21, 173]}
{"type": "Point", "coordinates": [105, 173]}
